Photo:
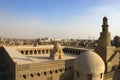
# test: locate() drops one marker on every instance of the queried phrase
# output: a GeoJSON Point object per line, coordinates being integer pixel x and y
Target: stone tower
{"type": "Point", "coordinates": [57, 52]}
{"type": "Point", "coordinates": [104, 48]}
{"type": "Point", "coordinates": [105, 37]}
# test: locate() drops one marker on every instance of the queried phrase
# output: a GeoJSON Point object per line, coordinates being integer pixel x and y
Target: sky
{"type": "Point", "coordinates": [64, 19]}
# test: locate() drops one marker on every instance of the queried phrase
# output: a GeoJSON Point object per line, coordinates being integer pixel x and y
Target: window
{"type": "Point", "coordinates": [77, 74]}
{"type": "Point", "coordinates": [42, 51]}
{"type": "Point", "coordinates": [26, 52]}
{"type": "Point", "coordinates": [79, 52]}
{"type": "Point", "coordinates": [50, 51]}
{"type": "Point", "coordinates": [46, 51]}
{"type": "Point", "coordinates": [24, 76]}
{"type": "Point", "coordinates": [60, 70]}
{"type": "Point", "coordinates": [39, 52]}
{"type": "Point", "coordinates": [89, 77]}
{"type": "Point", "coordinates": [101, 75]}
{"type": "Point", "coordinates": [56, 71]}
{"type": "Point", "coordinates": [65, 69]}
{"type": "Point", "coordinates": [31, 75]}
{"type": "Point", "coordinates": [35, 52]}
{"type": "Point", "coordinates": [50, 72]}
{"type": "Point", "coordinates": [38, 74]}
{"type": "Point", "coordinates": [75, 51]}
{"type": "Point", "coordinates": [22, 52]}
{"type": "Point", "coordinates": [31, 52]}
{"type": "Point", "coordinates": [45, 73]}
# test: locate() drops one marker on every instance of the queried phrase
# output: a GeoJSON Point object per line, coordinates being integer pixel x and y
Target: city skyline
{"type": "Point", "coordinates": [57, 18]}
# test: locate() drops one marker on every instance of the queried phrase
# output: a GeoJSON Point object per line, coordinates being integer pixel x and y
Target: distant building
{"type": "Point", "coordinates": [116, 41]}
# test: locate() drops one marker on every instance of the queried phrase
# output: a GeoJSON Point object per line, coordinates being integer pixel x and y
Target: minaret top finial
{"type": "Point", "coordinates": [104, 18]}
{"type": "Point", "coordinates": [105, 21]}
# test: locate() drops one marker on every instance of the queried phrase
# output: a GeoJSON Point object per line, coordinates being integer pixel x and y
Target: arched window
{"type": "Point", "coordinates": [22, 52]}
{"type": "Point", "coordinates": [31, 52]}
{"type": "Point", "coordinates": [31, 75]}
{"type": "Point", "coordinates": [26, 52]}
{"type": "Point", "coordinates": [70, 51]}
{"type": "Point", "coordinates": [61, 70]}
{"type": "Point", "coordinates": [51, 72]}
{"type": "Point", "coordinates": [45, 73]}
{"type": "Point", "coordinates": [42, 51]}
{"type": "Point", "coordinates": [50, 51]}
{"type": "Point", "coordinates": [24, 76]}
{"type": "Point", "coordinates": [56, 71]}
{"type": "Point", "coordinates": [39, 52]}
{"type": "Point", "coordinates": [101, 75]}
{"type": "Point", "coordinates": [65, 69]}
{"type": "Point", "coordinates": [75, 51]}
{"type": "Point", "coordinates": [38, 74]}
{"type": "Point", "coordinates": [46, 51]}
{"type": "Point", "coordinates": [35, 52]}
{"type": "Point", "coordinates": [79, 52]}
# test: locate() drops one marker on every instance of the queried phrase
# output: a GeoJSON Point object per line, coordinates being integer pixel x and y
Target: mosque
{"type": "Point", "coordinates": [56, 62]}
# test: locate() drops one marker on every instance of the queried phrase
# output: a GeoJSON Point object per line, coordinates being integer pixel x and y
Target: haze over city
{"type": "Point", "coordinates": [57, 18]}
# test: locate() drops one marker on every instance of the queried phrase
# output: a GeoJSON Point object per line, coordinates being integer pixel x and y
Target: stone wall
{"type": "Point", "coordinates": [50, 70]}
{"type": "Point", "coordinates": [7, 68]}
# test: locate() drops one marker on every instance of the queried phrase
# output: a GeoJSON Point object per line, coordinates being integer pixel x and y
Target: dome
{"type": "Point", "coordinates": [89, 62]}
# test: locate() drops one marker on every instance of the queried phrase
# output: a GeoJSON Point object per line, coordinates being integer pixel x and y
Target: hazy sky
{"type": "Point", "coordinates": [57, 18]}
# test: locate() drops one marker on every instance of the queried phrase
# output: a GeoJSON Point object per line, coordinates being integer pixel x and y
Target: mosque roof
{"type": "Point", "coordinates": [19, 58]}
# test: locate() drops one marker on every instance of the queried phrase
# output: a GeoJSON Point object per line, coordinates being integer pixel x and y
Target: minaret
{"type": "Point", "coordinates": [104, 48]}
{"type": "Point", "coordinates": [57, 52]}
{"type": "Point", "coordinates": [104, 40]}
{"type": "Point", "coordinates": [105, 36]}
